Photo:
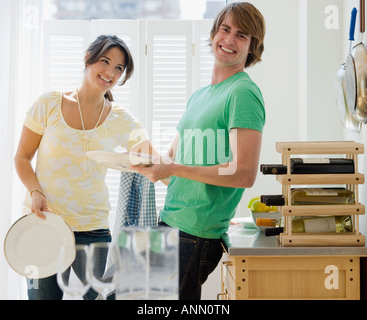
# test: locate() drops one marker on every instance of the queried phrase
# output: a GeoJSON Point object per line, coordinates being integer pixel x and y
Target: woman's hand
{"type": "Point", "coordinates": [39, 204]}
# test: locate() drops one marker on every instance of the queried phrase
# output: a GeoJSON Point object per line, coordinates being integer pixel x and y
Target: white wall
{"type": "Point", "coordinates": [348, 135]}
{"type": "Point", "coordinates": [296, 77]}
{"type": "Point", "coordinates": [4, 130]}
{"type": "Point", "coordinates": [277, 76]}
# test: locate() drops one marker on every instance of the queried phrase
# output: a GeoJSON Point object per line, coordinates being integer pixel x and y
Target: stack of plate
{"type": "Point", "coordinates": [120, 161]}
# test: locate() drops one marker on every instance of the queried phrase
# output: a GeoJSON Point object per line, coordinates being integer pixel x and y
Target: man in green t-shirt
{"type": "Point", "coordinates": [215, 155]}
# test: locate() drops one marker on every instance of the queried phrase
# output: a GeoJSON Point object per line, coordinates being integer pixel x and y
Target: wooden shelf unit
{"type": "Point", "coordinates": [351, 150]}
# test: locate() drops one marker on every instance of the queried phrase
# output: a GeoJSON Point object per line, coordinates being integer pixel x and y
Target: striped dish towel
{"type": "Point", "coordinates": [135, 207]}
{"type": "Point", "coordinates": [136, 201]}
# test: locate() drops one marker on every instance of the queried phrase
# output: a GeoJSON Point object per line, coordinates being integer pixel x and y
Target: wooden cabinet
{"type": "Point", "coordinates": [290, 277]}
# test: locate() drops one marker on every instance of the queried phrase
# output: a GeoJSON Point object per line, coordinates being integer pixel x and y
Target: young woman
{"type": "Point", "coordinates": [61, 127]}
{"type": "Point", "coordinates": [225, 119]}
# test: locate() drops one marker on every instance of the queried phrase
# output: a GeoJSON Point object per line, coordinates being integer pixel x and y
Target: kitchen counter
{"type": "Point", "coordinates": [242, 241]}
{"type": "Point", "coordinates": [258, 267]}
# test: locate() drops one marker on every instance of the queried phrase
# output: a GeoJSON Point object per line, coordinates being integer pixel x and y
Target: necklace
{"type": "Point", "coordinates": [85, 134]}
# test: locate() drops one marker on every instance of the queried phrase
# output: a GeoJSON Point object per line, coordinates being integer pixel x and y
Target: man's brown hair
{"type": "Point", "coordinates": [248, 19]}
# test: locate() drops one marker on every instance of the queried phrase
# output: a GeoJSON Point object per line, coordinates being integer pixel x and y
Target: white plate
{"type": "Point", "coordinates": [32, 245]}
{"type": "Point", "coordinates": [120, 161]}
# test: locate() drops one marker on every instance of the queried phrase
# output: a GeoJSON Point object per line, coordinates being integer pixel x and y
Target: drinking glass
{"type": "Point", "coordinates": [76, 284]}
{"type": "Point", "coordinates": [134, 245]}
{"type": "Point", "coordinates": [103, 267]}
{"type": "Point", "coordinates": [163, 263]}
{"type": "Point", "coordinates": [149, 260]}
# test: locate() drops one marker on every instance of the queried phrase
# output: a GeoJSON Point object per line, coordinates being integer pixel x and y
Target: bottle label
{"type": "Point", "coordinates": [319, 225]}
{"type": "Point", "coordinates": [316, 160]}
{"type": "Point", "coordinates": [320, 192]}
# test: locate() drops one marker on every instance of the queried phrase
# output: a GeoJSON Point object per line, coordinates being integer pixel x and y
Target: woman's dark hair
{"type": "Point", "coordinates": [100, 46]}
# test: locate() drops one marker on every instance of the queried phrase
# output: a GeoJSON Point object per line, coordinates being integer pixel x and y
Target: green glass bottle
{"type": "Point", "coordinates": [322, 224]}
{"type": "Point", "coordinates": [322, 196]}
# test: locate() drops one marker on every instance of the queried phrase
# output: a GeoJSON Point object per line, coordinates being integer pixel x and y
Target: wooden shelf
{"type": "Point", "coordinates": [351, 150]}
{"type": "Point", "coordinates": [322, 240]}
{"type": "Point", "coordinates": [299, 179]}
{"type": "Point", "coordinates": [332, 210]}
{"type": "Point", "coordinates": [320, 147]}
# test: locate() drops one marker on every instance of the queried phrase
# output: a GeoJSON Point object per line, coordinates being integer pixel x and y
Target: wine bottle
{"type": "Point", "coordinates": [312, 196]}
{"type": "Point", "coordinates": [321, 196]}
{"type": "Point", "coordinates": [273, 200]}
{"type": "Point", "coordinates": [311, 166]}
{"type": "Point", "coordinates": [274, 226]}
{"type": "Point", "coordinates": [273, 169]}
{"type": "Point", "coordinates": [273, 231]}
{"type": "Point", "coordinates": [322, 224]}
{"type": "Point", "coordinates": [321, 165]}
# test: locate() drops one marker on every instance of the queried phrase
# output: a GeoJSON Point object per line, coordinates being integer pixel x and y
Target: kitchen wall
{"type": "Point", "coordinates": [5, 192]}
{"type": "Point", "coordinates": [303, 50]}
{"type": "Point", "coordinates": [362, 136]}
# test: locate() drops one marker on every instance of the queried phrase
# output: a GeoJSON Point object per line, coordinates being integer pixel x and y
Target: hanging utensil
{"type": "Point", "coordinates": [356, 75]}
{"type": "Point", "coordinates": [348, 121]}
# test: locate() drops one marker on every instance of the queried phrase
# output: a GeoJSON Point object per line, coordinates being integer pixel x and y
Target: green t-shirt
{"type": "Point", "coordinates": [197, 208]}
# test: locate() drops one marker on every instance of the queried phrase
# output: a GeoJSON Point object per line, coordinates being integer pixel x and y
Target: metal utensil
{"type": "Point", "coordinates": [356, 75]}
{"type": "Point", "coordinates": [348, 121]}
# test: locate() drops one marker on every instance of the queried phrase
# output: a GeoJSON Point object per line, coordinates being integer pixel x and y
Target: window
{"type": "Point", "coordinates": [172, 59]}
{"type": "Point", "coordinates": [131, 9]}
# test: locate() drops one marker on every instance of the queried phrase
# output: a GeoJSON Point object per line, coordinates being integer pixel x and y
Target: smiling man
{"type": "Point", "coordinates": [225, 120]}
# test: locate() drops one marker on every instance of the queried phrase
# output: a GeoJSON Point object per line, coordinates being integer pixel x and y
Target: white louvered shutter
{"type": "Point", "coordinates": [169, 82]}
{"type": "Point", "coordinates": [203, 58]}
{"type": "Point", "coordinates": [65, 43]}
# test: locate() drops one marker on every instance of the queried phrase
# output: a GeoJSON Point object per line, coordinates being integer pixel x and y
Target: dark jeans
{"type": "Point", "coordinates": [198, 257]}
{"type": "Point", "coordinates": [47, 288]}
